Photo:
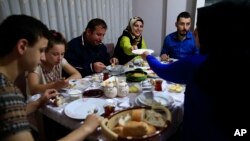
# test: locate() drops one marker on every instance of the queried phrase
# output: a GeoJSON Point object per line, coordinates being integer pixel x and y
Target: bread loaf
{"type": "Point", "coordinates": [150, 129]}
{"type": "Point", "coordinates": [154, 118]}
{"type": "Point", "coordinates": [118, 130]}
{"type": "Point", "coordinates": [137, 114]}
{"type": "Point", "coordinates": [135, 129]}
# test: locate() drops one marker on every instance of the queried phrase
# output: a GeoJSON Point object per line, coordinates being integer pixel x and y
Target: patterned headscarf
{"type": "Point", "coordinates": [132, 22]}
{"type": "Point", "coordinates": [130, 27]}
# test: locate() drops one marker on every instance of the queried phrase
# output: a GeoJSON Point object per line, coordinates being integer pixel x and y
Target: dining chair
{"type": "Point", "coordinates": [110, 48]}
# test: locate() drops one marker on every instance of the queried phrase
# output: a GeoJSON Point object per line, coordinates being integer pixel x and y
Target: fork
{"type": "Point", "coordinates": [93, 111]}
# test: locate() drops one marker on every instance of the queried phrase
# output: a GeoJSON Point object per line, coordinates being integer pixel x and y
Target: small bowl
{"type": "Point", "coordinates": [109, 123]}
{"type": "Point", "coordinates": [74, 94]}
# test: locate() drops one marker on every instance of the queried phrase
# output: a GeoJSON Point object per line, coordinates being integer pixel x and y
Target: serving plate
{"type": "Point", "coordinates": [80, 84]}
{"type": "Point", "coordinates": [116, 69]}
{"type": "Point", "coordinates": [95, 93]}
{"type": "Point", "coordinates": [151, 98]}
{"type": "Point", "coordinates": [151, 74]}
{"type": "Point", "coordinates": [81, 108]}
{"type": "Point", "coordinates": [140, 51]}
{"type": "Point", "coordinates": [136, 75]}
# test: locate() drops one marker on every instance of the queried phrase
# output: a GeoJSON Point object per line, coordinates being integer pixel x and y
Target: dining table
{"type": "Point", "coordinates": [61, 114]}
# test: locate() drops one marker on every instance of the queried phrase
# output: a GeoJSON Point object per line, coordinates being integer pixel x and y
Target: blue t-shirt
{"type": "Point", "coordinates": [175, 48]}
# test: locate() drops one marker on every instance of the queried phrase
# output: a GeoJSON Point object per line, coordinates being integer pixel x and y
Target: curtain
{"type": "Point", "coordinates": [70, 17]}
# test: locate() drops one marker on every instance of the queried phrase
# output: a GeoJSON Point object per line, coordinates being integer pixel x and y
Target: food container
{"type": "Point", "coordinates": [74, 94]}
{"type": "Point", "coordinates": [123, 89]}
{"type": "Point", "coordinates": [113, 121]}
{"type": "Point", "coordinates": [136, 75]}
{"type": "Point", "coordinates": [110, 90]}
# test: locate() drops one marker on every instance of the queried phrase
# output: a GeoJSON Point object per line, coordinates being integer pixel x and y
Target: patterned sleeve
{"type": "Point", "coordinates": [12, 112]}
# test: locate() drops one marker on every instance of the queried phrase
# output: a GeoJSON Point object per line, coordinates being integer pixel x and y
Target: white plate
{"type": "Point", "coordinates": [79, 109]}
{"type": "Point", "coordinates": [150, 98]}
{"type": "Point", "coordinates": [140, 51]}
{"type": "Point", "coordinates": [171, 60]}
{"type": "Point", "coordinates": [80, 84]}
{"type": "Point", "coordinates": [115, 70]}
{"type": "Point", "coordinates": [151, 74]}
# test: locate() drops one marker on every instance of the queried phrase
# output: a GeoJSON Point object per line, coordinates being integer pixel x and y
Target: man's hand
{"type": "Point", "coordinates": [91, 123]}
{"type": "Point", "coordinates": [98, 67]}
{"type": "Point", "coordinates": [164, 57]}
{"type": "Point", "coordinates": [114, 61]}
{"type": "Point", "coordinates": [48, 94]}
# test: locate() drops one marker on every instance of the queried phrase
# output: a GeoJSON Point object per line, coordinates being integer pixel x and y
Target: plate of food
{"type": "Point", "coordinates": [152, 74]}
{"type": "Point", "coordinates": [151, 99]}
{"type": "Point", "coordinates": [81, 108]}
{"type": "Point", "coordinates": [115, 69]}
{"type": "Point", "coordinates": [93, 93]}
{"type": "Point", "coordinates": [141, 51]}
{"type": "Point", "coordinates": [175, 88]}
{"type": "Point", "coordinates": [168, 61]}
{"type": "Point", "coordinates": [80, 84]}
{"type": "Point", "coordinates": [136, 75]}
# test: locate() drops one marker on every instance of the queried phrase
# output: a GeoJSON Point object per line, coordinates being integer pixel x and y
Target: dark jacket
{"type": "Point", "coordinates": [82, 56]}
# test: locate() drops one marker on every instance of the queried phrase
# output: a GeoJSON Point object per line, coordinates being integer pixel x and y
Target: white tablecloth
{"type": "Point", "coordinates": [57, 114]}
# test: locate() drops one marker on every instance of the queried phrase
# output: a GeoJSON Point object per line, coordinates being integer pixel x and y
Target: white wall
{"type": "Point", "coordinates": [151, 11]}
{"type": "Point", "coordinates": [200, 3]}
{"type": "Point", "coordinates": [160, 16]}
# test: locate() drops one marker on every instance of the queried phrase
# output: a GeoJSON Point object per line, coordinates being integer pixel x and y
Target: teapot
{"type": "Point", "coordinates": [110, 90]}
{"type": "Point", "coordinates": [123, 89]}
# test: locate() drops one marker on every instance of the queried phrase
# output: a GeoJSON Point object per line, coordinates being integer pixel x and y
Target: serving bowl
{"type": "Point", "coordinates": [113, 121]}
{"type": "Point", "coordinates": [136, 75]}
{"type": "Point", "coordinates": [74, 94]}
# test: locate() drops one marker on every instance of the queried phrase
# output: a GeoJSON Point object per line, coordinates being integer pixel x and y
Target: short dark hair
{"type": "Point", "coordinates": [92, 24]}
{"type": "Point", "coordinates": [16, 27]}
{"type": "Point", "coordinates": [183, 15]}
{"type": "Point", "coordinates": [56, 38]}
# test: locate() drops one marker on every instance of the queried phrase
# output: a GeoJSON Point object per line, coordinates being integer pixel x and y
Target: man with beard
{"type": "Point", "coordinates": [181, 43]}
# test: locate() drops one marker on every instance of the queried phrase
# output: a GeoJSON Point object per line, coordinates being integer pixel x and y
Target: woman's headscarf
{"type": "Point", "coordinates": [131, 23]}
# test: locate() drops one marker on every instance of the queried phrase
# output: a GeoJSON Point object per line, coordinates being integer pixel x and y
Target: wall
{"type": "Point", "coordinates": [160, 16]}
{"type": "Point", "coordinates": [151, 11]}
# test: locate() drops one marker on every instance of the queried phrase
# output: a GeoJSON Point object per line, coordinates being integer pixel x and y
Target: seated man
{"type": "Point", "coordinates": [180, 43]}
{"type": "Point", "coordinates": [87, 53]}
